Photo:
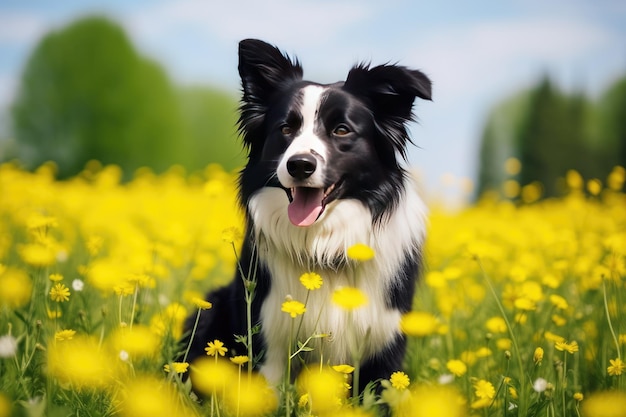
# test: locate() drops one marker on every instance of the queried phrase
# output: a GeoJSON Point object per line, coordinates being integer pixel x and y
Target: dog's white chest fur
{"type": "Point", "coordinates": [289, 251]}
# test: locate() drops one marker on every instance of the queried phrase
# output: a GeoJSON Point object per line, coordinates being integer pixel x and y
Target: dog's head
{"type": "Point", "coordinates": [322, 143]}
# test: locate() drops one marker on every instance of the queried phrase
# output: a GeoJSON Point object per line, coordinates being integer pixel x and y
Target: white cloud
{"type": "Point", "coordinates": [494, 54]}
{"type": "Point", "coordinates": [283, 21]}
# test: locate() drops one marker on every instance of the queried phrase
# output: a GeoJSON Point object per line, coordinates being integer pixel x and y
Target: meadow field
{"type": "Point", "coordinates": [519, 312]}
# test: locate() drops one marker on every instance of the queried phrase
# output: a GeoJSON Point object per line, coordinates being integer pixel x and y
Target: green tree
{"type": "Point", "coordinates": [611, 123]}
{"type": "Point", "coordinates": [210, 119]}
{"type": "Point", "coordinates": [85, 93]}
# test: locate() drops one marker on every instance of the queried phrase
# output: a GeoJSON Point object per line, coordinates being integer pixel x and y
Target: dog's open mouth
{"type": "Point", "coordinates": [306, 204]}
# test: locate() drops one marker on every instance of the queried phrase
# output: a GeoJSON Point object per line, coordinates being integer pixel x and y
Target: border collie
{"type": "Point", "coordinates": [324, 172]}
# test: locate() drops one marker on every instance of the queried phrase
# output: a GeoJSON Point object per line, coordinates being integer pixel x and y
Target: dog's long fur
{"type": "Point", "coordinates": [334, 153]}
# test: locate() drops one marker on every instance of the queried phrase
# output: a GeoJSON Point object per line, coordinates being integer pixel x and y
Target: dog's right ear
{"type": "Point", "coordinates": [263, 69]}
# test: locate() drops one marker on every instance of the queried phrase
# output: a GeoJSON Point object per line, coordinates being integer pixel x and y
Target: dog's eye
{"type": "Point", "coordinates": [286, 130]}
{"type": "Point", "coordinates": [341, 130]}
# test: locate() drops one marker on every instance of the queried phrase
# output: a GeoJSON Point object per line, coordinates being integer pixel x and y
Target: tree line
{"type": "Point", "coordinates": [87, 93]}
{"type": "Point", "coordinates": [550, 132]}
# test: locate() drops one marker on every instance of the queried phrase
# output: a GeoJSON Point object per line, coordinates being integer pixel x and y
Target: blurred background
{"type": "Point", "coordinates": [155, 83]}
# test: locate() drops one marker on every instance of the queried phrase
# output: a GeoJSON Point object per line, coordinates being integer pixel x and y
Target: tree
{"type": "Point", "coordinates": [210, 119]}
{"type": "Point", "coordinates": [85, 93]}
{"type": "Point", "coordinates": [611, 119]}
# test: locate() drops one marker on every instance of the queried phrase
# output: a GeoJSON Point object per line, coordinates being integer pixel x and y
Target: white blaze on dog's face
{"type": "Point", "coordinates": [302, 167]}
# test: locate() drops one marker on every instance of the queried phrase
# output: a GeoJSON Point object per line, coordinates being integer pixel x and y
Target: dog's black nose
{"type": "Point", "coordinates": [301, 166]}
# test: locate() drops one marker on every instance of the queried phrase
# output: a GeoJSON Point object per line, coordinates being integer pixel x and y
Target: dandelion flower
{"type": "Point", "coordinates": [81, 363]}
{"type": "Point", "coordinates": [150, 397]}
{"type": "Point", "coordinates": [559, 302]}
{"type": "Point", "coordinates": [538, 356]}
{"type": "Point", "coordinates": [252, 397]}
{"type": "Point", "coordinates": [311, 280]}
{"type": "Point", "coordinates": [215, 348]}
{"type": "Point", "coordinates": [325, 389]}
{"type": "Point", "coordinates": [427, 400]}
{"type": "Point", "coordinates": [239, 360]}
{"type": "Point", "coordinates": [343, 369]}
{"type": "Point", "coordinates": [210, 376]}
{"type": "Point", "coordinates": [349, 298]}
{"type": "Point", "coordinates": [67, 334]}
{"type": "Point", "coordinates": [496, 325]}
{"type": "Point", "coordinates": [303, 401]}
{"type": "Point", "coordinates": [201, 304]}
{"type": "Point", "coordinates": [59, 293]}
{"type": "Point", "coordinates": [578, 396]}
{"type": "Point", "coordinates": [616, 368]}
{"type": "Point", "coordinates": [8, 346]}
{"type": "Point", "coordinates": [540, 385]}
{"type": "Point", "coordinates": [55, 277]}
{"type": "Point", "coordinates": [78, 285]}
{"type": "Point", "coordinates": [568, 347]}
{"type": "Point", "coordinates": [177, 367]}
{"type": "Point", "coordinates": [484, 389]}
{"type": "Point", "coordinates": [418, 323]}
{"type": "Point", "coordinates": [360, 252]}
{"type": "Point", "coordinates": [457, 367]}
{"type": "Point", "coordinates": [15, 287]}
{"type": "Point", "coordinates": [293, 308]}
{"type": "Point", "coordinates": [605, 404]}
{"type": "Point", "coordinates": [399, 380]}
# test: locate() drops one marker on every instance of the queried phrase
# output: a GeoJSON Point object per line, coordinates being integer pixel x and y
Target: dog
{"type": "Point", "coordinates": [324, 172]}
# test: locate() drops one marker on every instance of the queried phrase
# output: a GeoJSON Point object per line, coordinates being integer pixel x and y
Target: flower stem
{"type": "Point", "coordinates": [191, 336]}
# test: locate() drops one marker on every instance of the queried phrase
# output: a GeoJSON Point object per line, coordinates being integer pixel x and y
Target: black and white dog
{"type": "Point", "coordinates": [324, 172]}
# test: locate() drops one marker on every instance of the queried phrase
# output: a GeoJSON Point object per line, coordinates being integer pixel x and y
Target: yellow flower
{"type": "Point", "coordinates": [418, 323]}
{"type": "Point", "coordinates": [239, 360]}
{"type": "Point", "coordinates": [151, 397]}
{"type": "Point", "coordinates": [605, 404]}
{"type": "Point", "coordinates": [177, 367]}
{"type": "Point", "coordinates": [138, 341]}
{"type": "Point", "coordinates": [64, 335]}
{"type": "Point", "coordinates": [551, 337]}
{"type": "Point", "coordinates": [293, 308]}
{"type": "Point", "coordinates": [399, 380]}
{"type": "Point", "coordinates": [37, 254]}
{"type": "Point", "coordinates": [457, 367]}
{"type": "Point", "coordinates": [56, 277]}
{"type": "Point", "coordinates": [252, 397]}
{"type": "Point", "coordinates": [59, 293]}
{"type": "Point", "coordinates": [15, 287]}
{"type": "Point", "coordinates": [568, 347]}
{"type": "Point", "coordinates": [616, 368]}
{"type": "Point", "coordinates": [496, 325]}
{"type": "Point", "coordinates": [432, 401]}
{"type": "Point", "coordinates": [525, 304]}
{"type": "Point", "coordinates": [215, 348]}
{"type": "Point", "coordinates": [484, 389]}
{"type": "Point", "coordinates": [325, 389]}
{"type": "Point", "coordinates": [212, 375]}
{"type": "Point", "coordinates": [578, 396]}
{"type": "Point", "coordinates": [512, 166]}
{"type": "Point", "coordinates": [81, 363]}
{"type": "Point", "coordinates": [303, 401]}
{"type": "Point", "coordinates": [201, 304]}
{"type": "Point", "coordinates": [559, 302]}
{"type": "Point", "coordinates": [343, 369]}
{"type": "Point", "coordinates": [311, 280]}
{"type": "Point", "coordinates": [538, 356]}
{"type": "Point", "coordinates": [349, 298]}
{"type": "Point", "coordinates": [360, 252]}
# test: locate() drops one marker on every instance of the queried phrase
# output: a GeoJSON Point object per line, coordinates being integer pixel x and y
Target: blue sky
{"type": "Point", "coordinates": [476, 52]}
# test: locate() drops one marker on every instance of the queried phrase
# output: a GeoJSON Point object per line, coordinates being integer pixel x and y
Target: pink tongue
{"type": "Point", "coordinates": [306, 206]}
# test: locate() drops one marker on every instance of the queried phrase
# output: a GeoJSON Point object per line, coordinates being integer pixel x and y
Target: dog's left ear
{"type": "Point", "coordinates": [390, 90]}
